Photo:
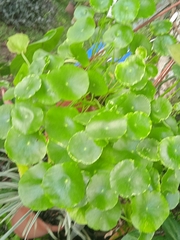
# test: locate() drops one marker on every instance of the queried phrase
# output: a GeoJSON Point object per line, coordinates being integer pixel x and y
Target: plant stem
{"type": "Point", "coordinates": [25, 59]}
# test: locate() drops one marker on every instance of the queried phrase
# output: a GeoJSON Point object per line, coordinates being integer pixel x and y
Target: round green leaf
{"type": "Point", "coordinates": [161, 27]}
{"type": "Point", "coordinates": [78, 214]}
{"type": "Point", "coordinates": [169, 182]}
{"type": "Point", "coordinates": [27, 87]}
{"type": "Point", "coordinates": [101, 6]}
{"type": "Point", "coordinates": [118, 35]}
{"type": "Point", "coordinates": [131, 71]}
{"type": "Point", "coordinates": [140, 40]}
{"type": "Point", "coordinates": [97, 84]}
{"type": "Point", "coordinates": [80, 54]}
{"type": "Point", "coordinates": [170, 152]}
{"type": "Point", "coordinates": [18, 43]}
{"type": "Point", "coordinates": [57, 153]}
{"type": "Point", "coordinates": [128, 180]}
{"type": "Point", "coordinates": [64, 185]}
{"type": "Point", "coordinates": [27, 118]}
{"type": "Point", "coordinates": [162, 43]}
{"type": "Point", "coordinates": [83, 149]}
{"type": "Point", "coordinates": [25, 149]}
{"type": "Point", "coordinates": [148, 148]}
{"type": "Point", "coordinates": [148, 90]}
{"type": "Point", "coordinates": [161, 109]}
{"type": "Point", "coordinates": [138, 125]}
{"type": "Point", "coordinates": [147, 8]}
{"type": "Point", "coordinates": [107, 125]}
{"type": "Point", "coordinates": [69, 82]}
{"type": "Point", "coordinates": [60, 126]}
{"type": "Point", "coordinates": [130, 102]}
{"type": "Point", "coordinates": [149, 211]}
{"type": "Point", "coordinates": [31, 183]}
{"type": "Point", "coordinates": [101, 195]}
{"type": "Point", "coordinates": [5, 120]}
{"type": "Point", "coordinates": [83, 11]}
{"type": "Point", "coordinates": [160, 132]}
{"type": "Point", "coordinates": [125, 11]}
{"type": "Point", "coordinates": [103, 220]}
{"type": "Point", "coordinates": [82, 30]}
{"type": "Point", "coordinates": [46, 94]}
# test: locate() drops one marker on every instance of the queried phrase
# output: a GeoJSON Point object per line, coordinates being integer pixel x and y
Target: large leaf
{"type": "Point", "coordinates": [99, 192]}
{"type": "Point", "coordinates": [25, 149]}
{"type": "Point", "coordinates": [60, 126]}
{"type": "Point", "coordinates": [138, 125]}
{"type": "Point", "coordinates": [131, 71]}
{"type": "Point", "coordinates": [107, 125]}
{"type": "Point", "coordinates": [103, 220]}
{"type": "Point", "coordinates": [128, 180]}
{"type": "Point", "coordinates": [64, 185]}
{"type": "Point", "coordinates": [170, 152]}
{"type": "Point", "coordinates": [161, 109]}
{"type": "Point", "coordinates": [82, 30]}
{"type": "Point", "coordinates": [69, 82]}
{"type": "Point", "coordinates": [27, 87]}
{"type": "Point", "coordinates": [101, 6]}
{"type": "Point", "coordinates": [31, 183]}
{"type": "Point", "coordinates": [149, 211]}
{"type": "Point", "coordinates": [83, 149]}
{"type": "Point", "coordinates": [5, 120]}
{"type": "Point", "coordinates": [119, 36]}
{"type": "Point", "coordinates": [27, 118]}
{"type": "Point", "coordinates": [147, 8]}
{"type": "Point", "coordinates": [125, 11]}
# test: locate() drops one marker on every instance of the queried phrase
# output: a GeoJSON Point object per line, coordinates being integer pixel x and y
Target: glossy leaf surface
{"type": "Point", "coordinates": [127, 180]}
{"type": "Point", "coordinates": [161, 109]}
{"type": "Point", "coordinates": [148, 148]}
{"type": "Point", "coordinates": [64, 185]}
{"type": "Point", "coordinates": [5, 120]}
{"type": "Point", "coordinates": [101, 6]}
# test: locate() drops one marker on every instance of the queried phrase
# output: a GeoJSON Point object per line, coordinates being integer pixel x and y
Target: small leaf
{"type": "Point", "coordinates": [148, 90]}
{"type": "Point", "coordinates": [170, 152]}
{"type": "Point", "coordinates": [9, 94]}
{"type": "Point", "coordinates": [5, 120]}
{"type": "Point", "coordinates": [107, 125]}
{"type": "Point", "coordinates": [27, 118]}
{"type": "Point", "coordinates": [147, 8]}
{"type": "Point", "coordinates": [138, 125]}
{"type": "Point", "coordinates": [60, 126]}
{"type": "Point", "coordinates": [27, 87]}
{"type": "Point", "coordinates": [101, 195]}
{"type": "Point", "coordinates": [82, 30]}
{"type": "Point", "coordinates": [174, 51]}
{"type": "Point", "coordinates": [18, 43]}
{"type": "Point", "coordinates": [31, 183]}
{"type": "Point", "coordinates": [118, 35]}
{"type": "Point", "coordinates": [161, 109]}
{"type": "Point", "coordinates": [103, 220]}
{"type": "Point", "coordinates": [149, 211]}
{"type": "Point", "coordinates": [69, 82]}
{"type": "Point", "coordinates": [101, 6]}
{"type": "Point", "coordinates": [140, 40]}
{"type": "Point", "coordinates": [80, 54]}
{"type": "Point", "coordinates": [172, 199]}
{"type": "Point", "coordinates": [148, 148]}
{"type": "Point", "coordinates": [162, 44]}
{"type": "Point", "coordinates": [25, 149]}
{"type": "Point", "coordinates": [83, 149]}
{"type": "Point", "coordinates": [131, 71]}
{"type": "Point", "coordinates": [161, 27]}
{"type": "Point", "coordinates": [64, 185]}
{"type": "Point", "coordinates": [128, 180]}
{"type": "Point", "coordinates": [125, 11]}
{"type": "Point", "coordinates": [97, 84]}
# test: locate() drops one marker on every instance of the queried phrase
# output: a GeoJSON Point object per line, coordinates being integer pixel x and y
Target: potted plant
{"type": "Point", "coordinates": [89, 134]}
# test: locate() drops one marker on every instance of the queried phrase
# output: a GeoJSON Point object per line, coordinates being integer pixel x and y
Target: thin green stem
{"type": "Point", "coordinates": [25, 59]}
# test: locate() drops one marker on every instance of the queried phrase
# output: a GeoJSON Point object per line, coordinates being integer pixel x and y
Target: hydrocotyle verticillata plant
{"type": "Point", "coordinates": [112, 147]}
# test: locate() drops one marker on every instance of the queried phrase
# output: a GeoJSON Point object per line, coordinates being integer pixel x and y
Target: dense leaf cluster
{"type": "Point", "coordinates": [26, 13]}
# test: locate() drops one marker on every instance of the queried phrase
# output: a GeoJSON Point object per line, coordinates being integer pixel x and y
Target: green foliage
{"type": "Point", "coordinates": [112, 148]}
{"type": "Point", "coordinates": [28, 14]}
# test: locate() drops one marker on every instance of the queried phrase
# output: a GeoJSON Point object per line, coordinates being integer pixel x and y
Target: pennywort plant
{"type": "Point", "coordinates": [112, 146]}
